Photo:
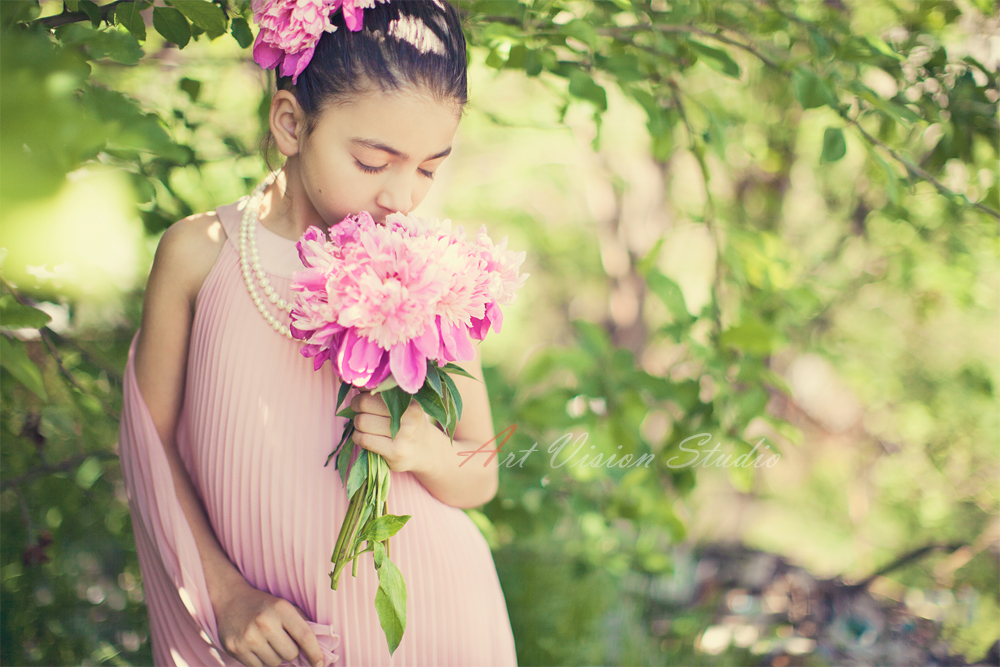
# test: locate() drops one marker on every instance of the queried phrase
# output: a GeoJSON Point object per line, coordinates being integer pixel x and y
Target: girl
{"type": "Point", "coordinates": [226, 425]}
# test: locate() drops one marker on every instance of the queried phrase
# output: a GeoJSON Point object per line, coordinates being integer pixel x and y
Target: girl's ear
{"type": "Point", "coordinates": [287, 122]}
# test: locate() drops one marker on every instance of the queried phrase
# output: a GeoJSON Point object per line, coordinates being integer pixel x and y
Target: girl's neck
{"type": "Point", "coordinates": [285, 209]}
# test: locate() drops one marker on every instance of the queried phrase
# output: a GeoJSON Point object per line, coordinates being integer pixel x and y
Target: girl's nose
{"type": "Point", "coordinates": [396, 195]}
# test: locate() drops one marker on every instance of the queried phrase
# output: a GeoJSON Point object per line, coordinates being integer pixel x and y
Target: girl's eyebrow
{"type": "Point", "coordinates": [379, 146]}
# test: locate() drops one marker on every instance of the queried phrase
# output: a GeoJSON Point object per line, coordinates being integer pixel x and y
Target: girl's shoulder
{"type": "Point", "coordinates": [188, 250]}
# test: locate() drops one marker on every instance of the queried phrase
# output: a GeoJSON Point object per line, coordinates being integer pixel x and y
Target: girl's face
{"type": "Point", "coordinates": [377, 152]}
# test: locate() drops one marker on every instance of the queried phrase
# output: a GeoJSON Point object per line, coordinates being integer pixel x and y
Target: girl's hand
{"type": "Point", "coordinates": [260, 629]}
{"type": "Point", "coordinates": [408, 450]}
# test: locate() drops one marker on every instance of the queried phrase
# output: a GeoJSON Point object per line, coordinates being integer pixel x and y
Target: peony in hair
{"type": "Point", "coordinates": [290, 29]}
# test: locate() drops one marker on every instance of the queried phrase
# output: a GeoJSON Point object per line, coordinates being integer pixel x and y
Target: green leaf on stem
{"type": "Point", "coordinates": [344, 460]}
{"type": "Point", "coordinates": [433, 377]}
{"type": "Point", "coordinates": [342, 393]}
{"type": "Point", "coordinates": [834, 146]}
{"type": "Point", "coordinates": [172, 25]}
{"type": "Point", "coordinates": [432, 404]}
{"type": "Point", "coordinates": [456, 396]}
{"type": "Point", "coordinates": [241, 32]}
{"type": "Point", "coordinates": [16, 361]}
{"type": "Point", "coordinates": [717, 59]}
{"type": "Point", "coordinates": [383, 527]}
{"type": "Point", "coordinates": [206, 15]}
{"type": "Point", "coordinates": [357, 476]}
{"type": "Point", "coordinates": [347, 412]}
{"type": "Point", "coordinates": [453, 368]}
{"type": "Point", "coordinates": [390, 599]}
{"type": "Point", "coordinates": [16, 315]}
{"type": "Point", "coordinates": [397, 401]}
{"type": "Point", "coordinates": [127, 14]}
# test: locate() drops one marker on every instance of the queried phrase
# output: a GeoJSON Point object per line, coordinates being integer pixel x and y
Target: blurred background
{"type": "Point", "coordinates": [760, 226]}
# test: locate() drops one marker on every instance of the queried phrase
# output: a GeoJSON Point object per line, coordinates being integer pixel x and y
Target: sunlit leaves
{"type": "Point", "coordinates": [834, 146]}
{"type": "Point", "coordinates": [172, 25]}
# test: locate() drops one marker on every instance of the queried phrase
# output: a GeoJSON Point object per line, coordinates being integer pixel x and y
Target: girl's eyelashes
{"type": "Point", "coordinates": [375, 170]}
{"type": "Point", "coordinates": [368, 170]}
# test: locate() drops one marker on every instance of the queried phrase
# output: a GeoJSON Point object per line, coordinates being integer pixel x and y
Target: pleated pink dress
{"type": "Point", "coordinates": [256, 426]}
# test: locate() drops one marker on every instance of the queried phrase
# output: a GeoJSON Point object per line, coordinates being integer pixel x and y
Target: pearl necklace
{"type": "Point", "coordinates": [250, 261]}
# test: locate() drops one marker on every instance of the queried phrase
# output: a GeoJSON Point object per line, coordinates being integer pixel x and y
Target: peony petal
{"type": "Point", "coordinates": [381, 373]}
{"type": "Point", "coordinates": [366, 356]}
{"type": "Point", "coordinates": [294, 63]}
{"type": "Point", "coordinates": [264, 54]}
{"type": "Point", "coordinates": [353, 17]}
{"type": "Point", "coordinates": [460, 346]}
{"type": "Point", "coordinates": [408, 366]}
{"type": "Point", "coordinates": [429, 342]}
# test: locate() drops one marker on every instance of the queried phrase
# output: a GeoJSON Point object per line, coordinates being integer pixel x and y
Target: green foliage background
{"type": "Point", "coordinates": [749, 219]}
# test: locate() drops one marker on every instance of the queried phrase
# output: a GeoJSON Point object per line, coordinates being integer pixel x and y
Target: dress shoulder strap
{"type": "Point", "coordinates": [231, 215]}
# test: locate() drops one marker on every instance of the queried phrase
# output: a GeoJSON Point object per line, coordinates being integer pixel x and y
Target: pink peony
{"type": "Point", "coordinates": [290, 29]}
{"type": "Point", "coordinates": [376, 299]}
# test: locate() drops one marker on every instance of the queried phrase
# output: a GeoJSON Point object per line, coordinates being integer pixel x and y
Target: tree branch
{"type": "Point", "coordinates": [917, 171]}
{"type": "Point", "coordinates": [74, 17]}
{"type": "Point", "coordinates": [50, 468]}
{"type": "Point", "coordinates": [674, 29]}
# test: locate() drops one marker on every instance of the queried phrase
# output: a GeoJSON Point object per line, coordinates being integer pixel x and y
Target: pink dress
{"type": "Point", "coordinates": [255, 428]}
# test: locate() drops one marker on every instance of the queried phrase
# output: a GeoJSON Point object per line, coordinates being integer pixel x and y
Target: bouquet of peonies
{"type": "Point", "coordinates": [393, 307]}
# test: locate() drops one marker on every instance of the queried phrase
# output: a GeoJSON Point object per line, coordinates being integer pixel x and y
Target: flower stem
{"type": "Point", "coordinates": [348, 532]}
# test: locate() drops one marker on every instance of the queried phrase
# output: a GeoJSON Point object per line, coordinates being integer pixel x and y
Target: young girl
{"type": "Point", "coordinates": [226, 426]}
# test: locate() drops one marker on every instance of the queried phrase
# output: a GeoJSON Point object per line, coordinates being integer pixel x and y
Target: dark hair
{"type": "Point", "coordinates": [402, 43]}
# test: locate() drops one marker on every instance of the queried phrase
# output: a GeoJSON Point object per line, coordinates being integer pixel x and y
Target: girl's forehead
{"type": "Point", "coordinates": [411, 122]}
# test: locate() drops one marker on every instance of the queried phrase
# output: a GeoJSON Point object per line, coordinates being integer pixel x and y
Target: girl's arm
{"type": "Point", "coordinates": [255, 627]}
{"type": "Point", "coordinates": [453, 473]}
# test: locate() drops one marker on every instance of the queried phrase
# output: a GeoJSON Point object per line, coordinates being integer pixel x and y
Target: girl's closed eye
{"type": "Point", "coordinates": [375, 170]}
{"type": "Point", "coordinates": [369, 169]}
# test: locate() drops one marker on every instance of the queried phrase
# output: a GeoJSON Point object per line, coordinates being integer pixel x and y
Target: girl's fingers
{"type": "Point", "coordinates": [305, 638]}
{"type": "Point", "coordinates": [266, 654]}
{"type": "Point", "coordinates": [283, 644]}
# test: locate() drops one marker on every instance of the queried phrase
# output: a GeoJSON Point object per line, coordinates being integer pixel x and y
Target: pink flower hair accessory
{"type": "Point", "coordinates": [290, 29]}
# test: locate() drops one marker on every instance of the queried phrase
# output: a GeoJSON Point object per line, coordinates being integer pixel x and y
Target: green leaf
{"type": "Point", "coordinates": [451, 420]}
{"type": "Point", "coordinates": [669, 293]}
{"type": "Point", "coordinates": [580, 30]}
{"type": "Point", "coordinates": [453, 368]}
{"type": "Point", "coordinates": [172, 25]}
{"type": "Point", "coordinates": [532, 62]}
{"type": "Point", "coordinates": [717, 59]}
{"type": "Point", "coordinates": [14, 358]}
{"type": "Point", "coordinates": [128, 15]}
{"type": "Point", "coordinates": [834, 146]}
{"type": "Point", "coordinates": [433, 377]}
{"type": "Point", "coordinates": [241, 32]}
{"type": "Point", "coordinates": [582, 85]}
{"type": "Point", "coordinates": [646, 264]}
{"type": "Point", "coordinates": [432, 404]}
{"type": "Point", "coordinates": [342, 393]}
{"type": "Point", "coordinates": [88, 473]}
{"type": "Point", "coordinates": [358, 474]}
{"type": "Point", "coordinates": [810, 90]}
{"type": "Point", "coordinates": [190, 86]}
{"type": "Point", "coordinates": [753, 336]}
{"type": "Point", "coordinates": [383, 528]}
{"type": "Point", "coordinates": [348, 412]}
{"type": "Point", "coordinates": [15, 315]}
{"type": "Point", "coordinates": [500, 8]}
{"type": "Point", "coordinates": [390, 599]}
{"type": "Point", "coordinates": [344, 460]}
{"type": "Point", "coordinates": [205, 15]}
{"type": "Point", "coordinates": [92, 11]}
{"type": "Point", "coordinates": [455, 395]}
{"type": "Point", "coordinates": [397, 400]}
{"type": "Point", "coordinates": [71, 5]}
{"type": "Point", "coordinates": [593, 338]}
